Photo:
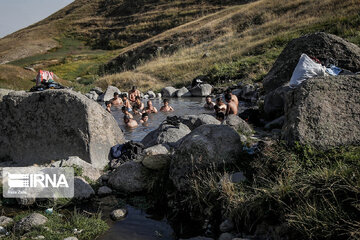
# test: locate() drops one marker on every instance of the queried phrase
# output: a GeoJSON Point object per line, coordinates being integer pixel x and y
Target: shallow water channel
{"type": "Point", "coordinates": [138, 225]}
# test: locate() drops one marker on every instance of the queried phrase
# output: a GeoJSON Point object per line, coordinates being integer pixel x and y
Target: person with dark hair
{"type": "Point", "coordinates": [231, 108]}
{"type": "Point", "coordinates": [150, 108]}
{"type": "Point", "coordinates": [126, 102]}
{"type": "Point", "coordinates": [133, 93]}
{"type": "Point", "coordinates": [116, 100]}
{"type": "Point", "coordinates": [209, 104]}
{"type": "Point", "coordinates": [138, 106]}
{"type": "Point", "coordinates": [221, 106]}
{"type": "Point", "coordinates": [126, 112]}
{"type": "Point", "coordinates": [144, 118]}
{"type": "Point", "coordinates": [233, 97]}
{"type": "Point", "coordinates": [129, 122]}
{"type": "Point", "coordinates": [108, 106]}
{"type": "Point", "coordinates": [220, 116]}
{"type": "Point", "coordinates": [166, 107]}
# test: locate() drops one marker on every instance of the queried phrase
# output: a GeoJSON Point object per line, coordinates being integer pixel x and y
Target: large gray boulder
{"type": "Point", "coordinates": [29, 222]}
{"type": "Point", "coordinates": [320, 45]}
{"type": "Point", "coordinates": [55, 124]}
{"type": "Point", "coordinates": [129, 177]}
{"type": "Point", "coordinates": [167, 134]}
{"type": "Point", "coordinates": [324, 112]}
{"type": "Point", "coordinates": [157, 150]}
{"type": "Point", "coordinates": [194, 121]}
{"type": "Point", "coordinates": [208, 145]}
{"type": "Point", "coordinates": [87, 169]}
{"type": "Point", "coordinates": [238, 124]}
{"type": "Point", "coordinates": [109, 93]}
{"type": "Point", "coordinates": [82, 189]}
{"type": "Point", "coordinates": [168, 92]}
{"type": "Point", "coordinates": [202, 90]}
{"type": "Point", "coordinates": [182, 92]}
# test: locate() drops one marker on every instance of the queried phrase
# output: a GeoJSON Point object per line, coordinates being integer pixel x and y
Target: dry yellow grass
{"type": "Point", "coordinates": [125, 80]}
{"type": "Point", "coordinates": [243, 29]}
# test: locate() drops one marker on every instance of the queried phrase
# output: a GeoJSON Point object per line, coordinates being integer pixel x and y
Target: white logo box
{"type": "Point", "coordinates": [38, 182]}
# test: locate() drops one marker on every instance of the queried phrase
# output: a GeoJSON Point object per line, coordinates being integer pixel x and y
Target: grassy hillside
{"type": "Point", "coordinates": [104, 24]}
{"type": "Point", "coordinates": [75, 41]}
{"type": "Point", "coordinates": [157, 43]}
{"type": "Point", "coordinates": [240, 42]}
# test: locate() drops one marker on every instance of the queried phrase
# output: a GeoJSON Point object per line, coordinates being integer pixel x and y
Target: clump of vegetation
{"type": "Point", "coordinates": [60, 226]}
{"type": "Point", "coordinates": [314, 193]}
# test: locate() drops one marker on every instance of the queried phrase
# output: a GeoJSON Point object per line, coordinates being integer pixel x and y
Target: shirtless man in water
{"type": "Point", "coordinates": [108, 106]}
{"type": "Point", "coordinates": [166, 107]}
{"type": "Point", "coordinates": [144, 118]}
{"type": "Point", "coordinates": [138, 106]}
{"type": "Point", "coordinates": [150, 108]}
{"type": "Point", "coordinates": [126, 102]}
{"type": "Point", "coordinates": [116, 100]}
{"type": "Point", "coordinates": [233, 97]}
{"type": "Point", "coordinates": [129, 122]}
{"type": "Point", "coordinates": [232, 108]}
{"type": "Point", "coordinates": [126, 112]}
{"type": "Point", "coordinates": [209, 104]}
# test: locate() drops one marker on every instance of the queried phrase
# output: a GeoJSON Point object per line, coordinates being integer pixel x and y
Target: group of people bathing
{"type": "Point", "coordinates": [134, 104]}
{"type": "Point", "coordinates": [221, 109]}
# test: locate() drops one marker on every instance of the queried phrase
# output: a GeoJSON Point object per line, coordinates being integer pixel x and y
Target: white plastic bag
{"type": "Point", "coordinates": [305, 69]}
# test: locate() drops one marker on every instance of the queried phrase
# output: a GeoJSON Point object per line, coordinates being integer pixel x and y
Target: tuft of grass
{"type": "Point", "coordinates": [314, 193]}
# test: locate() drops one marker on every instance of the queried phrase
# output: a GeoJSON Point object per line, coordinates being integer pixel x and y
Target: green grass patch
{"type": "Point", "coordinates": [60, 226]}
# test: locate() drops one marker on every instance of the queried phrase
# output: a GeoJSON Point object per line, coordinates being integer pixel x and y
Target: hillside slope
{"type": "Point", "coordinates": [104, 24]}
{"type": "Point", "coordinates": [238, 43]}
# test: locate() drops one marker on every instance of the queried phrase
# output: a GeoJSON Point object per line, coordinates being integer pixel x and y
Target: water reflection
{"type": "Point", "coordinates": [139, 226]}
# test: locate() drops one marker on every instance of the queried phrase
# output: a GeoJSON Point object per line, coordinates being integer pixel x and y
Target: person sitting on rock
{"type": "Point", "coordinates": [150, 108]}
{"type": "Point", "coordinates": [220, 116]}
{"type": "Point", "coordinates": [209, 104]}
{"type": "Point", "coordinates": [138, 106]}
{"type": "Point", "coordinates": [144, 118]}
{"type": "Point", "coordinates": [108, 106]}
{"type": "Point", "coordinates": [126, 102]}
{"type": "Point", "coordinates": [126, 112]}
{"type": "Point", "coordinates": [129, 122]}
{"type": "Point", "coordinates": [220, 105]}
{"type": "Point", "coordinates": [116, 100]}
{"type": "Point", "coordinates": [231, 108]}
{"type": "Point", "coordinates": [166, 107]}
{"type": "Point", "coordinates": [233, 97]}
